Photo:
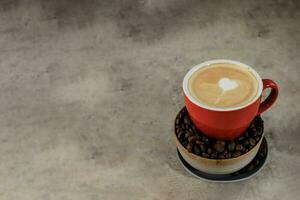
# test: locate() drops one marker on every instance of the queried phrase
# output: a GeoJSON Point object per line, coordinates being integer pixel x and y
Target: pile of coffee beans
{"type": "Point", "coordinates": [198, 143]}
{"type": "Point", "coordinates": [259, 159]}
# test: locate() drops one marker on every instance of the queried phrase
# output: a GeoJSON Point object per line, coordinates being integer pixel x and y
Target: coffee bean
{"type": "Point", "coordinates": [196, 142]}
{"type": "Point", "coordinates": [186, 126]}
{"type": "Point", "coordinates": [221, 142]}
{"type": "Point", "coordinates": [209, 151]}
{"type": "Point", "coordinates": [184, 143]}
{"type": "Point", "coordinates": [189, 147]}
{"type": "Point", "coordinates": [199, 142]}
{"type": "Point", "coordinates": [245, 142]}
{"type": "Point", "coordinates": [182, 126]}
{"type": "Point", "coordinates": [214, 155]}
{"type": "Point", "coordinates": [257, 138]}
{"type": "Point", "coordinates": [197, 135]}
{"type": "Point", "coordinates": [196, 150]}
{"type": "Point", "coordinates": [202, 147]}
{"type": "Point", "coordinates": [205, 155]}
{"type": "Point", "coordinates": [188, 134]}
{"type": "Point", "coordinates": [246, 134]}
{"type": "Point", "coordinates": [250, 167]}
{"type": "Point", "coordinates": [239, 147]}
{"type": "Point", "coordinates": [221, 155]}
{"type": "Point", "coordinates": [259, 130]}
{"type": "Point", "coordinates": [186, 120]}
{"type": "Point", "coordinates": [205, 139]}
{"type": "Point", "coordinates": [228, 155]}
{"type": "Point", "coordinates": [236, 154]}
{"type": "Point", "coordinates": [194, 129]}
{"type": "Point", "coordinates": [180, 134]}
{"type": "Point", "coordinates": [177, 121]}
{"type": "Point", "coordinates": [181, 114]}
{"type": "Point", "coordinates": [192, 138]}
{"type": "Point", "coordinates": [252, 142]}
{"type": "Point", "coordinates": [219, 146]}
{"type": "Point", "coordinates": [231, 146]}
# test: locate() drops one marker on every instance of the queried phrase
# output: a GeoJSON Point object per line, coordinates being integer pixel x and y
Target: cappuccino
{"type": "Point", "coordinates": [223, 85]}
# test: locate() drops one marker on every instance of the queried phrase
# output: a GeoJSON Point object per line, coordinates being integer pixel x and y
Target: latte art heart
{"type": "Point", "coordinates": [227, 84]}
{"type": "Point", "coordinates": [223, 85]}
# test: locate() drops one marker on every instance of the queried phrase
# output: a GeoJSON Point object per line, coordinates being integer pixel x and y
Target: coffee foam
{"type": "Point", "coordinates": [223, 85]}
{"type": "Point", "coordinates": [227, 84]}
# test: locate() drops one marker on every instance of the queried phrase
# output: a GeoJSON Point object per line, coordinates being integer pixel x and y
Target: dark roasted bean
{"type": "Point", "coordinates": [180, 134]}
{"type": "Point", "coordinates": [186, 126]}
{"type": "Point", "coordinates": [184, 143]}
{"type": "Point", "coordinates": [231, 146]}
{"type": "Point", "coordinates": [196, 150]}
{"type": "Point", "coordinates": [177, 121]}
{"type": "Point", "coordinates": [245, 142]}
{"type": "Point", "coordinates": [221, 142]}
{"type": "Point", "coordinates": [197, 135]}
{"type": "Point", "coordinates": [236, 154]}
{"type": "Point", "coordinates": [239, 147]}
{"type": "Point", "coordinates": [246, 134]}
{"type": "Point", "coordinates": [260, 130]}
{"type": "Point", "coordinates": [205, 139]}
{"type": "Point", "coordinates": [189, 147]}
{"type": "Point", "coordinates": [228, 155]}
{"type": "Point", "coordinates": [192, 138]}
{"type": "Point", "coordinates": [209, 151]}
{"type": "Point", "coordinates": [257, 138]}
{"type": "Point", "coordinates": [252, 142]}
{"type": "Point", "coordinates": [202, 147]}
{"type": "Point", "coordinates": [214, 155]}
{"type": "Point", "coordinates": [188, 134]}
{"type": "Point", "coordinates": [199, 142]}
{"type": "Point", "coordinates": [221, 155]}
{"type": "Point", "coordinates": [205, 155]}
{"type": "Point", "coordinates": [219, 146]}
{"type": "Point", "coordinates": [194, 129]}
{"type": "Point", "coordinates": [186, 120]}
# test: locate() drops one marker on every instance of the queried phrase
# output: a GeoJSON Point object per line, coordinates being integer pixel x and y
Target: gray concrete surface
{"type": "Point", "coordinates": [89, 90]}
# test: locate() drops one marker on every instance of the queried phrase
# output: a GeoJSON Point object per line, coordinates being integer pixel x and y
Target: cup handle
{"type": "Point", "coordinates": [267, 103]}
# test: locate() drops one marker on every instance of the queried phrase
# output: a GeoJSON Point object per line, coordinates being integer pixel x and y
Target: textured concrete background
{"type": "Point", "coordinates": [89, 91]}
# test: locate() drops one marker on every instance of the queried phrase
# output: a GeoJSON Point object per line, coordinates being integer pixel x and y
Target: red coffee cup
{"type": "Point", "coordinates": [227, 123]}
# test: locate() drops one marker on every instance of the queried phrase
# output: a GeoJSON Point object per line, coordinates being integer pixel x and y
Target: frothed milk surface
{"type": "Point", "coordinates": [223, 85]}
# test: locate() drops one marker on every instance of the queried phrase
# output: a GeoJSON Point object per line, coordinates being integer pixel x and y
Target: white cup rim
{"type": "Point", "coordinates": [215, 61]}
